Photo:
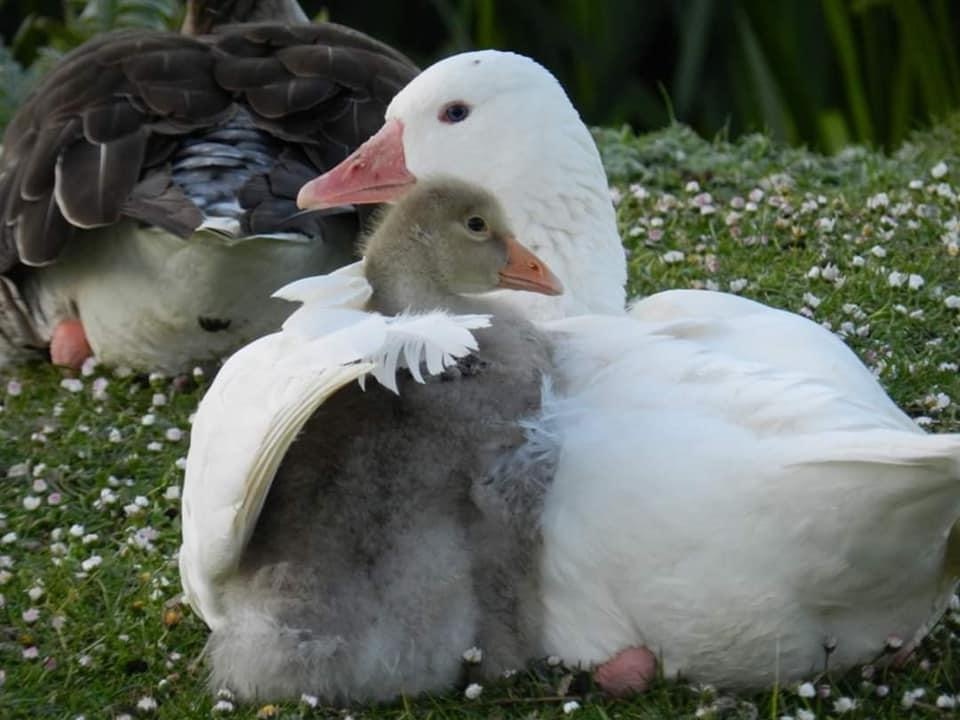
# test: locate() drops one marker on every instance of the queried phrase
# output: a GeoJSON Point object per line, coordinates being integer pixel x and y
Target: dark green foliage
{"type": "Point", "coordinates": [15, 83]}
{"type": "Point", "coordinates": [824, 73]}
{"type": "Point", "coordinates": [821, 72]}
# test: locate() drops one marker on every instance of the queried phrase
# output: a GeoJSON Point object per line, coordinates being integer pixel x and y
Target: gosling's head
{"type": "Point", "coordinates": [454, 237]}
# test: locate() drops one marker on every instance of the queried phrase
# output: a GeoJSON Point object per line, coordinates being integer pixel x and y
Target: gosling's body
{"type": "Point", "coordinates": [401, 529]}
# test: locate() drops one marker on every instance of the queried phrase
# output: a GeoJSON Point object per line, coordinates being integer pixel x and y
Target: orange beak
{"type": "Point", "coordinates": [375, 172]}
{"type": "Point", "coordinates": [525, 271]}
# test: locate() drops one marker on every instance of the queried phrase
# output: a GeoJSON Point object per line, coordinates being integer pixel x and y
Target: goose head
{"type": "Point", "coordinates": [447, 238]}
{"type": "Point", "coordinates": [501, 121]}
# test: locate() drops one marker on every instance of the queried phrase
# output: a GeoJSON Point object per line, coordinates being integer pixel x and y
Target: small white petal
{"type": "Point", "coordinates": [946, 702]}
{"type": "Point", "coordinates": [844, 704]}
{"type": "Point", "coordinates": [73, 385]}
{"type": "Point", "coordinates": [473, 655]}
{"type": "Point", "coordinates": [146, 704]}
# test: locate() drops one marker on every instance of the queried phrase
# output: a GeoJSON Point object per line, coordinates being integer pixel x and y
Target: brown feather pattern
{"type": "Point", "coordinates": [95, 142]}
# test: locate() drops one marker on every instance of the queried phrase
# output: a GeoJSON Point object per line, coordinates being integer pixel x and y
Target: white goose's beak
{"type": "Point", "coordinates": [375, 172]}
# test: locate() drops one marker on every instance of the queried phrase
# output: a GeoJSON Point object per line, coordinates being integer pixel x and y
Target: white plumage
{"type": "Point", "coordinates": [734, 485]}
{"type": "Point", "coordinates": [730, 513]}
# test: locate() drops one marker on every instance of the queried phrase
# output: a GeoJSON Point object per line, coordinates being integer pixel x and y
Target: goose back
{"type": "Point", "coordinates": [99, 138]}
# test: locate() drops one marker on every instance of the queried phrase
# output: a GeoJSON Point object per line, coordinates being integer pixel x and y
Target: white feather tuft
{"type": "Point", "coordinates": [434, 339]}
{"type": "Point", "coordinates": [345, 288]}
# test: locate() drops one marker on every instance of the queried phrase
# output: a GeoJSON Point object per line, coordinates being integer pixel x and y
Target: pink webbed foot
{"type": "Point", "coordinates": [68, 345]}
{"type": "Point", "coordinates": [629, 671]}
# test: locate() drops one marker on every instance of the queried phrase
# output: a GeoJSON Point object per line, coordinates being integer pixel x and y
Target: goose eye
{"type": "Point", "coordinates": [455, 112]}
{"type": "Point", "coordinates": [476, 224]}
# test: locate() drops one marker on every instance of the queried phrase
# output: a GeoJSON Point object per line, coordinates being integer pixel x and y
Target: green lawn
{"type": "Point", "coordinates": [89, 620]}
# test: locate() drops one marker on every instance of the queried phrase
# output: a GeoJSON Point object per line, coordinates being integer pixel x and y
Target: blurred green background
{"type": "Point", "coordinates": [825, 73]}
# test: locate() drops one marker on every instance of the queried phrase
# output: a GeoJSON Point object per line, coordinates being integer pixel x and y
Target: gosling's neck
{"type": "Point", "coordinates": [407, 280]}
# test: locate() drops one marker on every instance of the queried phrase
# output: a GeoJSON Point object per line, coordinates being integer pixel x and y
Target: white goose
{"type": "Point", "coordinates": [734, 486]}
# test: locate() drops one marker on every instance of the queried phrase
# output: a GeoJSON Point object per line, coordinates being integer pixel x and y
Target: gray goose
{"type": "Point", "coordinates": [147, 186]}
{"type": "Point", "coordinates": [399, 529]}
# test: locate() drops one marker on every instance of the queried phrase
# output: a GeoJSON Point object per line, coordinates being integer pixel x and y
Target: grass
{"type": "Point", "coordinates": [90, 624]}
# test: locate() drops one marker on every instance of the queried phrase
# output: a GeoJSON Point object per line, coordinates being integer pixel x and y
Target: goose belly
{"type": "Point", "coordinates": [153, 301]}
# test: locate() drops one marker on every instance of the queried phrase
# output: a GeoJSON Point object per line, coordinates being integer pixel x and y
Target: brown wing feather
{"type": "Point", "coordinates": [157, 200]}
{"type": "Point", "coordinates": [108, 172]}
{"type": "Point", "coordinates": [113, 119]}
{"type": "Point", "coordinates": [44, 148]}
{"type": "Point", "coordinates": [41, 231]}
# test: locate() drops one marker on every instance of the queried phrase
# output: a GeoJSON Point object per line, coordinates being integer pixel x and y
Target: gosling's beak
{"type": "Point", "coordinates": [375, 172]}
{"type": "Point", "coordinates": [525, 271]}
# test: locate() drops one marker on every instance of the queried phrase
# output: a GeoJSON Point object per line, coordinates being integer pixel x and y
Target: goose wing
{"type": "Point", "coordinates": [264, 394]}
{"type": "Point", "coordinates": [112, 131]}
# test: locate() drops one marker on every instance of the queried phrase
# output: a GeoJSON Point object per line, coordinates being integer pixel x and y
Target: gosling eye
{"type": "Point", "coordinates": [476, 224]}
{"type": "Point", "coordinates": [454, 112]}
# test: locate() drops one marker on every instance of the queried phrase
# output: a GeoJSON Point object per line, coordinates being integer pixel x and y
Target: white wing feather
{"type": "Point", "coordinates": [345, 288]}
{"type": "Point", "coordinates": [264, 394]}
{"type": "Point", "coordinates": [435, 339]}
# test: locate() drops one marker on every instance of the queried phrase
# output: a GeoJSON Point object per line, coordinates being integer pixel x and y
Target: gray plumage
{"type": "Point", "coordinates": [401, 530]}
